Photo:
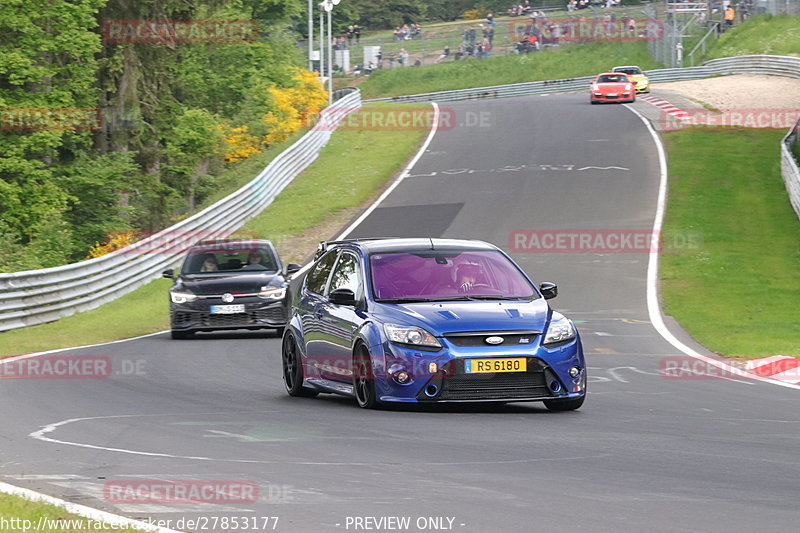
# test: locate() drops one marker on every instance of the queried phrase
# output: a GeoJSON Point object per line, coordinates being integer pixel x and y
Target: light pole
{"type": "Point", "coordinates": [310, 34]}
{"type": "Point", "coordinates": [327, 5]}
{"type": "Point", "coordinates": [321, 43]}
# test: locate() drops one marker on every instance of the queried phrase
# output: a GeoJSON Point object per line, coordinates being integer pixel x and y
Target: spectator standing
{"type": "Point", "coordinates": [349, 35]}
{"type": "Point", "coordinates": [487, 48]}
{"type": "Point", "coordinates": [357, 33]}
{"type": "Point", "coordinates": [445, 54]}
{"type": "Point", "coordinates": [730, 15]}
{"type": "Point", "coordinates": [402, 58]}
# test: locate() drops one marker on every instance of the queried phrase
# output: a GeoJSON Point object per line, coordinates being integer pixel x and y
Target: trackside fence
{"type": "Point", "coordinates": [37, 296]}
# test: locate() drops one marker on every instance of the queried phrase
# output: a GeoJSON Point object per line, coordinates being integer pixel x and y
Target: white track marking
{"type": "Point", "coordinates": [36, 354]}
{"type": "Point", "coordinates": [82, 510]}
{"type": "Point", "coordinates": [403, 175]}
{"type": "Point", "coordinates": [653, 308]}
{"type": "Point", "coordinates": [40, 435]}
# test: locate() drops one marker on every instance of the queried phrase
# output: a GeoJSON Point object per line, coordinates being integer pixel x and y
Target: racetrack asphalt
{"type": "Point", "coordinates": [644, 453]}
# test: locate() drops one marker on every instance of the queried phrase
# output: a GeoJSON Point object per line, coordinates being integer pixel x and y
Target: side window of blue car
{"type": "Point", "coordinates": [346, 275]}
{"type": "Point", "coordinates": [318, 276]}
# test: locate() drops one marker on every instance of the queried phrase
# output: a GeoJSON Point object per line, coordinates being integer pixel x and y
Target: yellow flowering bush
{"type": "Point", "coordinates": [114, 241]}
{"type": "Point", "coordinates": [238, 143]}
{"type": "Point", "coordinates": [294, 106]}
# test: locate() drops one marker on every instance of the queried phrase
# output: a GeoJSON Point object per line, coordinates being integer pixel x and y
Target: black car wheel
{"type": "Point", "coordinates": [293, 369]}
{"type": "Point", "coordinates": [182, 335]}
{"type": "Point", "coordinates": [363, 379]}
{"type": "Point", "coordinates": [564, 405]}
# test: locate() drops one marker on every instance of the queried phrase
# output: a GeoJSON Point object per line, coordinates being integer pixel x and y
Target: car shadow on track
{"type": "Point", "coordinates": [234, 335]}
{"type": "Point", "coordinates": [455, 408]}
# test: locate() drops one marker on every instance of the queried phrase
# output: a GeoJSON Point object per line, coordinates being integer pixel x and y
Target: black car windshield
{"type": "Point", "coordinates": [613, 78]}
{"type": "Point", "coordinates": [447, 275]}
{"type": "Point", "coordinates": [628, 70]}
{"type": "Point", "coordinates": [230, 260]}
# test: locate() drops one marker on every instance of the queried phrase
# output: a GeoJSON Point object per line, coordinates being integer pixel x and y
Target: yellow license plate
{"type": "Point", "coordinates": [486, 366]}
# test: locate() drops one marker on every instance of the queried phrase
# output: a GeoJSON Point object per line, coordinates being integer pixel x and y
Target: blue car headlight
{"type": "Point", "coordinates": [410, 335]}
{"type": "Point", "coordinates": [561, 330]}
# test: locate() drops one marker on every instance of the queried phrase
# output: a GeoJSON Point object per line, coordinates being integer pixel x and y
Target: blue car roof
{"type": "Point", "coordinates": [415, 244]}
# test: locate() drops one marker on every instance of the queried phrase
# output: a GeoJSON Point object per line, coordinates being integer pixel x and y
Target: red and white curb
{"type": "Point", "coordinates": [778, 367]}
{"type": "Point", "coordinates": [666, 107]}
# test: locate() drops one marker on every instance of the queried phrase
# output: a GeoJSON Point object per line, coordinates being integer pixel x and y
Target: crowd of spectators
{"type": "Point", "coordinates": [353, 32]}
{"type": "Point", "coordinates": [407, 32]}
{"type": "Point", "coordinates": [575, 5]}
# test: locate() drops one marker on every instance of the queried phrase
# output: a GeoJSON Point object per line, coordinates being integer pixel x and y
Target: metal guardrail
{"type": "Point", "coordinates": [38, 296]}
{"type": "Point", "coordinates": [789, 166]}
{"type": "Point", "coordinates": [754, 64]}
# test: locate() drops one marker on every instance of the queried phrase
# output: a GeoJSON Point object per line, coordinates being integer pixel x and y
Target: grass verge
{"type": "Point", "coordinates": [25, 515]}
{"type": "Point", "coordinates": [762, 34]}
{"type": "Point", "coordinates": [732, 275]}
{"type": "Point", "coordinates": [347, 174]}
{"type": "Point", "coordinates": [568, 61]}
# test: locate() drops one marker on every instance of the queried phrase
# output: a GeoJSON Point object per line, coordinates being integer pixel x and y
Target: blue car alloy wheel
{"type": "Point", "coordinates": [428, 321]}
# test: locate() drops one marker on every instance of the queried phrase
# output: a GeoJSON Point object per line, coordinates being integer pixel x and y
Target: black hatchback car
{"type": "Point", "coordinates": [229, 284]}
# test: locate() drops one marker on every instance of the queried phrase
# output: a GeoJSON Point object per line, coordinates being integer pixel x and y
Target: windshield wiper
{"type": "Point", "coordinates": [489, 297]}
{"type": "Point", "coordinates": [406, 300]}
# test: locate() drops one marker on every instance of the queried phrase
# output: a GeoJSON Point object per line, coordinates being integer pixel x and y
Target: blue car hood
{"type": "Point", "coordinates": [448, 317]}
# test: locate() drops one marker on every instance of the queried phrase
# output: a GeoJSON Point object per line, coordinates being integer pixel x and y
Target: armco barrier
{"type": "Point", "coordinates": [754, 64]}
{"type": "Point", "coordinates": [37, 296]}
{"type": "Point", "coordinates": [789, 166]}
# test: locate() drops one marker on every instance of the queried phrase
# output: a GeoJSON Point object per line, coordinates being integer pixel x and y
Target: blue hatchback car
{"type": "Point", "coordinates": [426, 321]}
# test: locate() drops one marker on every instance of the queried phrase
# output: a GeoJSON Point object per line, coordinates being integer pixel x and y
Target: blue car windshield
{"type": "Point", "coordinates": [447, 275]}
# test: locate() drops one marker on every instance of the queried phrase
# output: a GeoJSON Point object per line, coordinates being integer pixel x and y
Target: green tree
{"type": "Point", "coordinates": [192, 146]}
{"type": "Point", "coordinates": [47, 67]}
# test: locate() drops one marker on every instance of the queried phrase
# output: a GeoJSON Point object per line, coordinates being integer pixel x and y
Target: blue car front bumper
{"type": "Point", "coordinates": [441, 376]}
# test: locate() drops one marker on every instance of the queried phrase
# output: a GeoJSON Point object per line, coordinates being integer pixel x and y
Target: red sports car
{"type": "Point", "coordinates": [612, 87]}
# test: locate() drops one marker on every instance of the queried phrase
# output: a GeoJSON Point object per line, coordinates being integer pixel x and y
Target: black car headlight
{"type": "Point", "coordinates": [410, 335]}
{"type": "Point", "coordinates": [561, 330]}
{"type": "Point", "coordinates": [272, 293]}
{"type": "Point", "coordinates": [182, 297]}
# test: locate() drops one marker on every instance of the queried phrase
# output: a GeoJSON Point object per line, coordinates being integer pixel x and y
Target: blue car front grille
{"type": "Point", "coordinates": [455, 385]}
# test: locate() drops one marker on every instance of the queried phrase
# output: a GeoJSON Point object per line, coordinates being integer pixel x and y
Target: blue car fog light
{"type": "Point", "coordinates": [574, 371]}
